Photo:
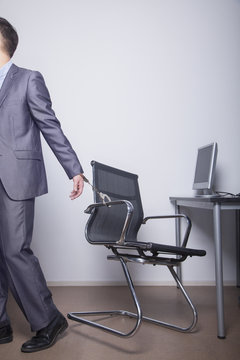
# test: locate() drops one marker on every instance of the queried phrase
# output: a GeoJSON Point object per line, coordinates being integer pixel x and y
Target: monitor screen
{"type": "Point", "coordinates": [205, 167]}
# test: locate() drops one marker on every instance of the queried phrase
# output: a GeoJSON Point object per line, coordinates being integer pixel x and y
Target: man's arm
{"type": "Point", "coordinates": [41, 109]}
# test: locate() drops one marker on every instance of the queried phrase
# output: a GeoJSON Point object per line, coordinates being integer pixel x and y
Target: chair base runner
{"type": "Point", "coordinates": [77, 316]}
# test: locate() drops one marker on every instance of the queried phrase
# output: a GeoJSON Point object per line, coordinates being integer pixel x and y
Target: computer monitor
{"type": "Point", "coordinates": [205, 168]}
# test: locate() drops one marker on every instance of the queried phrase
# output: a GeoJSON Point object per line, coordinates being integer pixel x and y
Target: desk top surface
{"type": "Point", "coordinates": [212, 200]}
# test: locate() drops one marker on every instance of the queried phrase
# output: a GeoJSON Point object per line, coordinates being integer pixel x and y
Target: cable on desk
{"type": "Point", "coordinates": [225, 193]}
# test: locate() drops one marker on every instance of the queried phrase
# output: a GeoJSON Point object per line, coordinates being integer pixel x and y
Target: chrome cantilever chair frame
{"type": "Point", "coordinates": [142, 257]}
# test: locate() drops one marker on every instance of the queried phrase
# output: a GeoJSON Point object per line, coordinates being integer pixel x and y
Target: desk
{"type": "Point", "coordinates": [216, 204]}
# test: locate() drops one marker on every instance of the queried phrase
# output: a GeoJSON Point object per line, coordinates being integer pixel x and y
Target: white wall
{"type": "Point", "coordinates": [137, 84]}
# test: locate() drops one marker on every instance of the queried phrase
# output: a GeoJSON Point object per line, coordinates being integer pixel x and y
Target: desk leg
{"type": "Point", "coordinates": [238, 245]}
{"type": "Point", "coordinates": [178, 238]}
{"type": "Point", "coordinates": [219, 269]}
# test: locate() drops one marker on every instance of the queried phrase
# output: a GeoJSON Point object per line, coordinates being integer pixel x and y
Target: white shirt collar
{"type": "Point", "coordinates": [4, 69]}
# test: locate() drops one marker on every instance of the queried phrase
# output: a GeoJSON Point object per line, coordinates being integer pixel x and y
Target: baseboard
{"type": "Point", "coordinates": [136, 283]}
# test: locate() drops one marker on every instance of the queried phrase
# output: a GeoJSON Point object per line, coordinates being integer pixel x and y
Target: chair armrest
{"type": "Point", "coordinates": [128, 218]}
{"type": "Point", "coordinates": [177, 216]}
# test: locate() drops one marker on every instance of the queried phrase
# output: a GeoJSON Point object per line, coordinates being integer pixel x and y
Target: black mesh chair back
{"type": "Point", "coordinates": [107, 223]}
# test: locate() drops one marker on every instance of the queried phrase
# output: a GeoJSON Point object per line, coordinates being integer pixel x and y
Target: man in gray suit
{"type": "Point", "coordinates": [25, 111]}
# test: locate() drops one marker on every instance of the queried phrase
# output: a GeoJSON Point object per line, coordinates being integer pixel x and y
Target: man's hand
{"type": "Point", "coordinates": [78, 185]}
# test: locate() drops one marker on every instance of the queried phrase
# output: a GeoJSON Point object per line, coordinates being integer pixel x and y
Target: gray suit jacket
{"type": "Point", "coordinates": [25, 111]}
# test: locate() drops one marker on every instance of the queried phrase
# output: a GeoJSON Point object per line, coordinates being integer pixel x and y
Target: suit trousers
{"type": "Point", "coordinates": [19, 268]}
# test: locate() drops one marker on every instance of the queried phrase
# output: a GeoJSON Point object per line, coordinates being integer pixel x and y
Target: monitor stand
{"type": "Point", "coordinates": [207, 193]}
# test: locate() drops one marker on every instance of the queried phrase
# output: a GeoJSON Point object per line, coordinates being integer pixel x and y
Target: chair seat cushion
{"type": "Point", "coordinates": [161, 248]}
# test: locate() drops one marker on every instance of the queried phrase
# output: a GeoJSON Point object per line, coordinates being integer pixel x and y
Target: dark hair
{"type": "Point", "coordinates": [10, 36]}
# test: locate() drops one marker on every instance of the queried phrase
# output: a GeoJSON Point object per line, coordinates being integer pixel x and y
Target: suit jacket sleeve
{"type": "Point", "coordinates": [41, 109]}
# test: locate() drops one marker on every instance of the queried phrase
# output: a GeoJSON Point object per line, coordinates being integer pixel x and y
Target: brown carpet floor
{"type": "Point", "coordinates": [81, 342]}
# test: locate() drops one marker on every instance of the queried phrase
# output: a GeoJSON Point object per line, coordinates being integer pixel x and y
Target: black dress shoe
{"type": "Point", "coordinates": [6, 334]}
{"type": "Point", "coordinates": [47, 336]}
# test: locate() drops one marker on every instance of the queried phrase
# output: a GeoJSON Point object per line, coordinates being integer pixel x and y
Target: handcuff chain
{"type": "Point", "coordinates": [102, 195]}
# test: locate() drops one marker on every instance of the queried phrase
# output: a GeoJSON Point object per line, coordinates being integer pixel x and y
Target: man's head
{"type": "Point", "coordinates": [8, 38]}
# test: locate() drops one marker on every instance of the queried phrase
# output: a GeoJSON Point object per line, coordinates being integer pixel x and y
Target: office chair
{"type": "Point", "coordinates": [115, 224]}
